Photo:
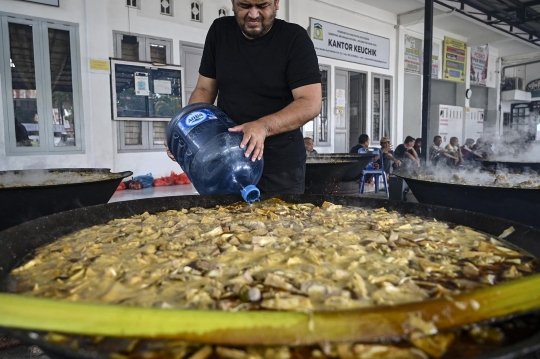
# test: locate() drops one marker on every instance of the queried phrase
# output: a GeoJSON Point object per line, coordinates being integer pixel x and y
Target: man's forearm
{"type": "Point", "coordinates": [201, 95]}
{"type": "Point", "coordinates": [294, 116]}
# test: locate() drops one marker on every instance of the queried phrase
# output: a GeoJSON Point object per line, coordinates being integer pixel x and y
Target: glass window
{"type": "Point", "coordinates": [387, 107]}
{"type": "Point", "coordinates": [145, 135]}
{"type": "Point", "coordinates": [130, 48]}
{"type": "Point", "coordinates": [376, 110]}
{"type": "Point", "coordinates": [322, 121]}
{"type": "Point", "coordinates": [132, 3]}
{"type": "Point", "coordinates": [40, 72]}
{"type": "Point", "coordinates": [62, 88]}
{"type": "Point", "coordinates": [222, 12]}
{"type": "Point", "coordinates": [23, 84]}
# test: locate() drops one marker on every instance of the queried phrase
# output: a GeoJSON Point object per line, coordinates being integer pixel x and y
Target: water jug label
{"type": "Point", "coordinates": [195, 118]}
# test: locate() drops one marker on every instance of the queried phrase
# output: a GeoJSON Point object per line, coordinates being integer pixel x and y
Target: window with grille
{"type": "Point", "coordinates": [142, 135]}
{"type": "Point", "coordinates": [222, 12]}
{"type": "Point", "coordinates": [40, 81]}
{"type": "Point", "coordinates": [133, 3]}
{"type": "Point", "coordinates": [196, 10]}
{"type": "Point", "coordinates": [166, 7]}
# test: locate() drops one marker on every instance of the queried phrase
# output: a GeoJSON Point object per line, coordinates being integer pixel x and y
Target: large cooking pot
{"type": "Point", "coordinates": [515, 204]}
{"type": "Point", "coordinates": [512, 166]}
{"type": "Point", "coordinates": [21, 240]}
{"type": "Point", "coordinates": [29, 194]}
{"type": "Point", "coordinates": [355, 172]}
{"type": "Point", "coordinates": [324, 174]}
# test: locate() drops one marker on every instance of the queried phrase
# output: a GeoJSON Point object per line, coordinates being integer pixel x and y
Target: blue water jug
{"type": "Point", "coordinates": [210, 155]}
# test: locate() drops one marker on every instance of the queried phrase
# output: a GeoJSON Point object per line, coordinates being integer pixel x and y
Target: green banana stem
{"type": "Point", "coordinates": [268, 327]}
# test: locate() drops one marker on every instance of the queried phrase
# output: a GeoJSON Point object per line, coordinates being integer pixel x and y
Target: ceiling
{"type": "Point", "coordinates": [511, 26]}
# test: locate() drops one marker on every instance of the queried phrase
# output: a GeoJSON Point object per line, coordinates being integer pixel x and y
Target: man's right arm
{"type": "Point", "coordinates": [205, 90]}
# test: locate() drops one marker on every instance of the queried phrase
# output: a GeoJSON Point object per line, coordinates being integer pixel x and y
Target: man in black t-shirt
{"type": "Point", "coordinates": [267, 75]}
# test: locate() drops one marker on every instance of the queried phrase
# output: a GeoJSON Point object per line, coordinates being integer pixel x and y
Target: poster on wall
{"type": "Point", "coordinates": [141, 84]}
{"type": "Point", "coordinates": [346, 44]}
{"type": "Point", "coordinates": [454, 60]}
{"type": "Point", "coordinates": [435, 62]}
{"type": "Point", "coordinates": [450, 123]}
{"type": "Point", "coordinates": [479, 65]}
{"type": "Point", "coordinates": [474, 123]}
{"type": "Point", "coordinates": [413, 55]}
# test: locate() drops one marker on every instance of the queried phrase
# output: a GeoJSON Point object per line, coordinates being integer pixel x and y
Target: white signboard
{"type": "Point", "coordinates": [413, 55]}
{"type": "Point", "coordinates": [450, 123]}
{"type": "Point", "coordinates": [141, 84]}
{"type": "Point", "coordinates": [474, 123]}
{"type": "Point", "coordinates": [342, 43]}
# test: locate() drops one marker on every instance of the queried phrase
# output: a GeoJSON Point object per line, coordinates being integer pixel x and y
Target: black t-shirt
{"type": "Point", "coordinates": [255, 78]}
{"type": "Point", "coordinates": [356, 148]}
{"type": "Point", "coordinates": [400, 151]}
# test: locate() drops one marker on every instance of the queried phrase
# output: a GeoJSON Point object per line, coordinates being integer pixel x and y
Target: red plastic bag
{"type": "Point", "coordinates": [121, 187]}
{"type": "Point", "coordinates": [163, 181]}
{"type": "Point", "coordinates": [180, 179]}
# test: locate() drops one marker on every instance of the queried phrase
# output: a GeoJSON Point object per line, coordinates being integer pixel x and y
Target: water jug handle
{"type": "Point", "coordinates": [251, 194]}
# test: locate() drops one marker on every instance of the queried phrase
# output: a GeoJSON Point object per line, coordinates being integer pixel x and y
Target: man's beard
{"type": "Point", "coordinates": [253, 33]}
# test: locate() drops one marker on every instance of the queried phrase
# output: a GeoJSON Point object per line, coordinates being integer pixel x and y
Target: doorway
{"type": "Point", "coordinates": [190, 60]}
{"type": "Point", "coordinates": [350, 109]}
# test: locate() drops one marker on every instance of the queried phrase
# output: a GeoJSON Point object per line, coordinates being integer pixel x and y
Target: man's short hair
{"type": "Point", "coordinates": [435, 138]}
{"type": "Point", "coordinates": [308, 139]}
{"type": "Point", "coordinates": [363, 138]}
{"type": "Point", "coordinates": [408, 139]}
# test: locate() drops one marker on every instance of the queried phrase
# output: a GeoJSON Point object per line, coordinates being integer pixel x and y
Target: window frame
{"type": "Point", "coordinates": [40, 39]}
{"type": "Point", "coordinates": [224, 9]}
{"type": "Point", "coordinates": [383, 78]}
{"type": "Point", "coordinates": [147, 133]}
{"type": "Point", "coordinates": [170, 6]}
{"type": "Point", "coordinates": [138, 6]}
{"type": "Point", "coordinates": [200, 11]}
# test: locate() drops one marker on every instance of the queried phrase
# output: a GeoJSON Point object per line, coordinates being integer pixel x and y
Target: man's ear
{"type": "Point", "coordinates": [277, 4]}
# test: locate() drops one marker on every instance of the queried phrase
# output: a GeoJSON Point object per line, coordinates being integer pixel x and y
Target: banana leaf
{"type": "Point", "coordinates": [272, 327]}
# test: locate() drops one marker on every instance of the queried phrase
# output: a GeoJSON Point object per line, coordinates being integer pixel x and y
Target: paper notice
{"type": "Point", "coordinates": [162, 87]}
{"type": "Point", "coordinates": [141, 84]}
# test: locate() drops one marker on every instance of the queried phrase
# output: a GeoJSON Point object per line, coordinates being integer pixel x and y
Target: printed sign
{"type": "Point", "coordinates": [342, 43]}
{"type": "Point", "coordinates": [454, 60]}
{"type": "Point", "coordinates": [100, 66]}
{"type": "Point", "coordinates": [435, 62]}
{"type": "Point", "coordinates": [413, 55]}
{"type": "Point", "coordinates": [193, 119]}
{"type": "Point", "coordinates": [450, 123]}
{"type": "Point", "coordinates": [141, 84]}
{"type": "Point", "coordinates": [474, 123]}
{"type": "Point", "coordinates": [479, 65]}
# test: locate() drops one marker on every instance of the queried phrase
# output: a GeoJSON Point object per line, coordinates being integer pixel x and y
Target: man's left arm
{"type": "Point", "coordinates": [306, 106]}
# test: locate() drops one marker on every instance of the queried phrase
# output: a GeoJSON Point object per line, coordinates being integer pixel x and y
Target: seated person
{"type": "Point", "coordinates": [363, 142]}
{"type": "Point", "coordinates": [483, 147]}
{"type": "Point", "coordinates": [308, 143]}
{"type": "Point", "coordinates": [388, 155]}
{"type": "Point", "coordinates": [453, 149]}
{"type": "Point", "coordinates": [418, 146]}
{"type": "Point", "coordinates": [406, 153]}
{"type": "Point", "coordinates": [468, 153]}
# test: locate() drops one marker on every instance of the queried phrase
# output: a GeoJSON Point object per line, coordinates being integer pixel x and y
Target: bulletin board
{"type": "Point", "coordinates": [142, 91]}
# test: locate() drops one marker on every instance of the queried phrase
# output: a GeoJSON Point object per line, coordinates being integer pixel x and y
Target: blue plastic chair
{"type": "Point", "coordinates": [370, 170]}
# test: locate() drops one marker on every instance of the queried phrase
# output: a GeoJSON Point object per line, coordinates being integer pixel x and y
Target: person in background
{"type": "Point", "coordinates": [418, 146]}
{"type": "Point", "coordinates": [308, 142]}
{"type": "Point", "coordinates": [456, 158]}
{"type": "Point", "coordinates": [267, 75]}
{"type": "Point", "coordinates": [468, 153]}
{"type": "Point", "coordinates": [389, 160]}
{"type": "Point", "coordinates": [363, 142]}
{"type": "Point", "coordinates": [438, 154]}
{"type": "Point", "coordinates": [406, 153]}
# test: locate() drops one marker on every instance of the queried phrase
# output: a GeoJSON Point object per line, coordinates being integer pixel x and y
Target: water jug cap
{"type": "Point", "coordinates": [251, 194]}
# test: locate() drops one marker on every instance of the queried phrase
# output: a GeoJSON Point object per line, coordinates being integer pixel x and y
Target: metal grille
{"type": "Point", "coordinates": [166, 7]}
{"type": "Point", "coordinates": [158, 132]}
{"type": "Point", "coordinates": [133, 133]}
{"type": "Point", "coordinates": [196, 11]}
